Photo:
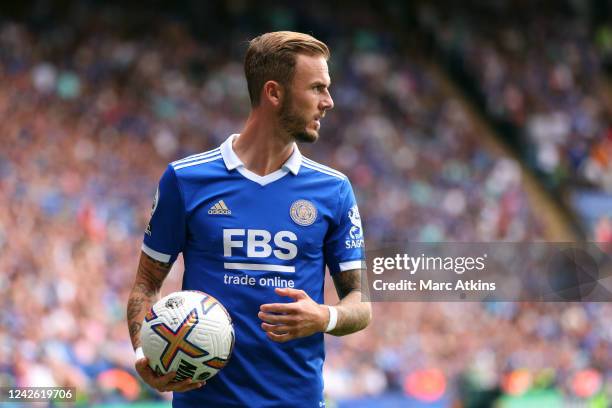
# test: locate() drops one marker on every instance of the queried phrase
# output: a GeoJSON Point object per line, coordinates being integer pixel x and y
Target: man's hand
{"type": "Point", "coordinates": [163, 383]}
{"type": "Point", "coordinates": [287, 321]}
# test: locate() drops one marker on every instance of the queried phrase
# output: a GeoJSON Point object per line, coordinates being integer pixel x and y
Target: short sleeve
{"type": "Point", "coordinates": [164, 237]}
{"type": "Point", "coordinates": [344, 243]}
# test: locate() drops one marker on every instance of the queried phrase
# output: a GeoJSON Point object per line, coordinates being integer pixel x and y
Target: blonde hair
{"type": "Point", "coordinates": [271, 57]}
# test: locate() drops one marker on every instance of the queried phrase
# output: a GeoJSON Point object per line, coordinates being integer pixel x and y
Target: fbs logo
{"type": "Point", "coordinates": [220, 209]}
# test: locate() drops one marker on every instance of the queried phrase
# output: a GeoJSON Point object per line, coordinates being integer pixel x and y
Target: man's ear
{"type": "Point", "coordinates": [273, 93]}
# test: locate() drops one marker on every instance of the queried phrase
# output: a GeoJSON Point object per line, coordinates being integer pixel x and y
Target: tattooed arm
{"type": "Point", "coordinates": [353, 313]}
{"type": "Point", "coordinates": [144, 294]}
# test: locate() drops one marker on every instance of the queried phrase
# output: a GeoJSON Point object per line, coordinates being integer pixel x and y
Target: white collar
{"type": "Point", "coordinates": [232, 161]}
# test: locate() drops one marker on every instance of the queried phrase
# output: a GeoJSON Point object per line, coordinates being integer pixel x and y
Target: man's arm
{"type": "Point", "coordinates": [354, 314]}
{"type": "Point", "coordinates": [287, 321]}
{"type": "Point", "coordinates": [144, 294]}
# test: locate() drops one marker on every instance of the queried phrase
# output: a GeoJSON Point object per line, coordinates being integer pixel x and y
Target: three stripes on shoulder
{"type": "Point", "coordinates": [311, 164]}
{"type": "Point", "coordinates": [196, 159]}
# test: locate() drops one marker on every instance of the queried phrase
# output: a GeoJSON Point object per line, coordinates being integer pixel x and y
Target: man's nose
{"type": "Point", "coordinates": [327, 102]}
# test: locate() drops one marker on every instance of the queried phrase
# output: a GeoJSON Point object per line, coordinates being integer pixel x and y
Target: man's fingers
{"type": "Point", "coordinates": [145, 371]}
{"type": "Point", "coordinates": [296, 294]}
{"type": "Point", "coordinates": [166, 378]}
{"type": "Point", "coordinates": [191, 387]}
{"type": "Point", "coordinates": [142, 364]}
{"type": "Point", "coordinates": [172, 386]}
{"type": "Point", "coordinates": [275, 318]}
{"type": "Point", "coordinates": [160, 383]}
{"type": "Point", "coordinates": [186, 385]}
{"type": "Point", "coordinates": [163, 383]}
{"type": "Point", "coordinates": [278, 308]}
{"type": "Point", "coordinates": [276, 329]}
{"type": "Point", "coordinates": [279, 338]}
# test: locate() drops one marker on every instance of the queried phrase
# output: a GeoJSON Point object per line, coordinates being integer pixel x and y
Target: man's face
{"type": "Point", "coordinates": [307, 99]}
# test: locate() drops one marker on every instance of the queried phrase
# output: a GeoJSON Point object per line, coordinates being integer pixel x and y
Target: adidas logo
{"type": "Point", "coordinates": [219, 209]}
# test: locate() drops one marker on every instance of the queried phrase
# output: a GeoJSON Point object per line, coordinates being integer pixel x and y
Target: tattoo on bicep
{"type": "Point", "coordinates": [347, 282]}
{"type": "Point", "coordinates": [163, 265]}
{"type": "Point", "coordinates": [151, 273]}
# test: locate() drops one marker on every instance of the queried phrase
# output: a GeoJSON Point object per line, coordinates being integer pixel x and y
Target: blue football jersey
{"type": "Point", "coordinates": [242, 235]}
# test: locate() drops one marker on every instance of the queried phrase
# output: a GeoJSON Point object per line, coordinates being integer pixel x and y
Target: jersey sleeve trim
{"type": "Point", "coordinates": [195, 157]}
{"type": "Point", "coordinates": [306, 164]}
{"type": "Point", "coordinates": [347, 266]}
{"type": "Point", "coordinates": [158, 256]}
{"type": "Point", "coordinates": [323, 168]}
{"type": "Point", "coordinates": [207, 159]}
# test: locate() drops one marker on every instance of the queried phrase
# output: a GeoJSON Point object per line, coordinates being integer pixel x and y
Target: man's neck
{"type": "Point", "coordinates": [262, 147]}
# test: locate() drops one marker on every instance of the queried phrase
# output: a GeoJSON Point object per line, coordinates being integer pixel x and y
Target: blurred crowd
{"type": "Point", "coordinates": [539, 67]}
{"type": "Point", "coordinates": [90, 114]}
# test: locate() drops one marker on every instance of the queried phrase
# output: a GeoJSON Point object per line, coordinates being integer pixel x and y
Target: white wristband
{"type": "Point", "coordinates": [139, 353]}
{"type": "Point", "coordinates": [333, 319]}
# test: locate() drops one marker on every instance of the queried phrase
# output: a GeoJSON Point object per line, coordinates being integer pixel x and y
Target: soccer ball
{"type": "Point", "coordinates": [189, 332]}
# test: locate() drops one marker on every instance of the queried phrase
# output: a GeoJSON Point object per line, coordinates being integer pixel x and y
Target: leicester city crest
{"type": "Point", "coordinates": [303, 212]}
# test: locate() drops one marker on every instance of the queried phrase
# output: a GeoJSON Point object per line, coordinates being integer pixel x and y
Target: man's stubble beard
{"type": "Point", "coordinates": [294, 124]}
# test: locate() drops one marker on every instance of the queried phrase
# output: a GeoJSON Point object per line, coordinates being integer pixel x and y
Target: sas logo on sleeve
{"type": "Point", "coordinates": [355, 238]}
{"type": "Point", "coordinates": [155, 201]}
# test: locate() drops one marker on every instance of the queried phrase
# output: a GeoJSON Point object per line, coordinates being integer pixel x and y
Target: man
{"type": "Point", "coordinates": [255, 206]}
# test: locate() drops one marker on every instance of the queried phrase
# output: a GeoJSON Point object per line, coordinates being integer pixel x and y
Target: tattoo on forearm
{"type": "Point", "coordinates": [135, 329]}
{"type": "Point", "coordinates": [147, 289]}
{"type": "Point", "coordinates": [354, 313]}
{"type": "Point", "coordinates": [149, 278]}
{"type": "Point", "coordinates": [133, 308]}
